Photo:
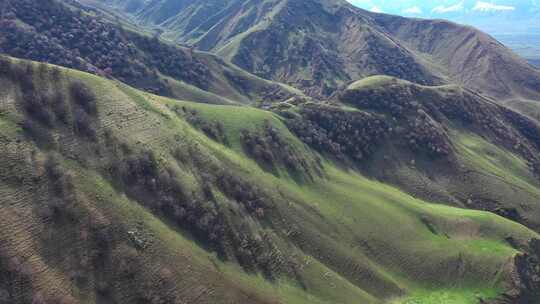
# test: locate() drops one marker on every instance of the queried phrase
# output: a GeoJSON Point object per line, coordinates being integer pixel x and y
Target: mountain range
{"type": "Point", "coordinates": [263, 151]}
{"type": "Point", "coordinates": [320, 46]}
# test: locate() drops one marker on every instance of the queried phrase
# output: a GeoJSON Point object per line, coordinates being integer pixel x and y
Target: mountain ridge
{"type": "Point", "coordinates": [328, 44]}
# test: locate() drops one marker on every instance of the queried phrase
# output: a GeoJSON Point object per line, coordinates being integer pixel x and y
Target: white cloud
{"type": "Point", "coordinates": [441, 9]}
{"type": "Point", "coordinates": [415, 10]}
{"type": "Point", "coordinates": [490, 7]}
{"type": "Point", "coordinates": [376, 9]}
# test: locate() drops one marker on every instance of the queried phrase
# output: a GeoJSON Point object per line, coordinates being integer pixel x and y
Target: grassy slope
{"type": "Point", "coordinates": [357, 197]}
{"type": "Point", "coordinates": [342, 189]}
{"type": "Point", "coordinates": [359, 240]}
{"type": "Point", "coordinates": [486, 171]}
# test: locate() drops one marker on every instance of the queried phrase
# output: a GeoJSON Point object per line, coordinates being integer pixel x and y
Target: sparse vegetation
{"type": "Point", "coordinates": [83, 97]}
{"type": "Point", "coordinates": [213, 130]}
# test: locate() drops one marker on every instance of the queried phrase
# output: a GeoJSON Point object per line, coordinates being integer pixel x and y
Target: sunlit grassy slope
{"type": "Point", "coordinates": [353, 239]}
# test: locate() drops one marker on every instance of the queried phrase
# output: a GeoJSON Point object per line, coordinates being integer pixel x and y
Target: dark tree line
{"type": "Point", "coordinates": [75, 39]}
{"type": "Point", "coordinates": [424, 113]}
{"type": "Point", "coordinates": [412, 124]}
{"type": "Point", "coordinates": [345, 135]}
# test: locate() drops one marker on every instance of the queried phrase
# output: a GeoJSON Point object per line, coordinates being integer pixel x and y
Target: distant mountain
{"type": "Point", "coordinates": [525, 44]}
{"type": "Point", "coordinates": [507, 20]}
{"type": "Point", "coordinates": [298, 43]}
{"type": "Point", "coordinates": [322, 45]}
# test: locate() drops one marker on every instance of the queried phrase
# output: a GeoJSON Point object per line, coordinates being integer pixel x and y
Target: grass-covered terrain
{"type": "Point", "coordinates": [121, 196]}
{"type": "Point", "coordinates": [452, 145]}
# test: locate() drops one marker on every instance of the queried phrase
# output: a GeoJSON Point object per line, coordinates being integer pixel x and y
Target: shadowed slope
{"type": "Point", "coordinates": [443, 138]}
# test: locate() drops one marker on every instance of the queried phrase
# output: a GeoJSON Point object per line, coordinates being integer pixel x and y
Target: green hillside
{"type": "Point", "coordinates": [114, 195]}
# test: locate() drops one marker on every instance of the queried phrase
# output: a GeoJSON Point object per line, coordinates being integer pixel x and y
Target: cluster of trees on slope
{"type": "Point", "coordinates": [345, 135]}
{"type": "Point", "coordinates": [53, 32]}
{"type": "Point", "coordinates": [422, 115]}
{"type": "Point", "coordinates": [271, 150]}
{"type": "Point", "coordinates": [266, 146]}
{"type": "Point", "coordinates": [46, 109]}
{"type": "Point", "coordinates": [158, 186]}
{"type": "Point", "coordinates": [214, 130]}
